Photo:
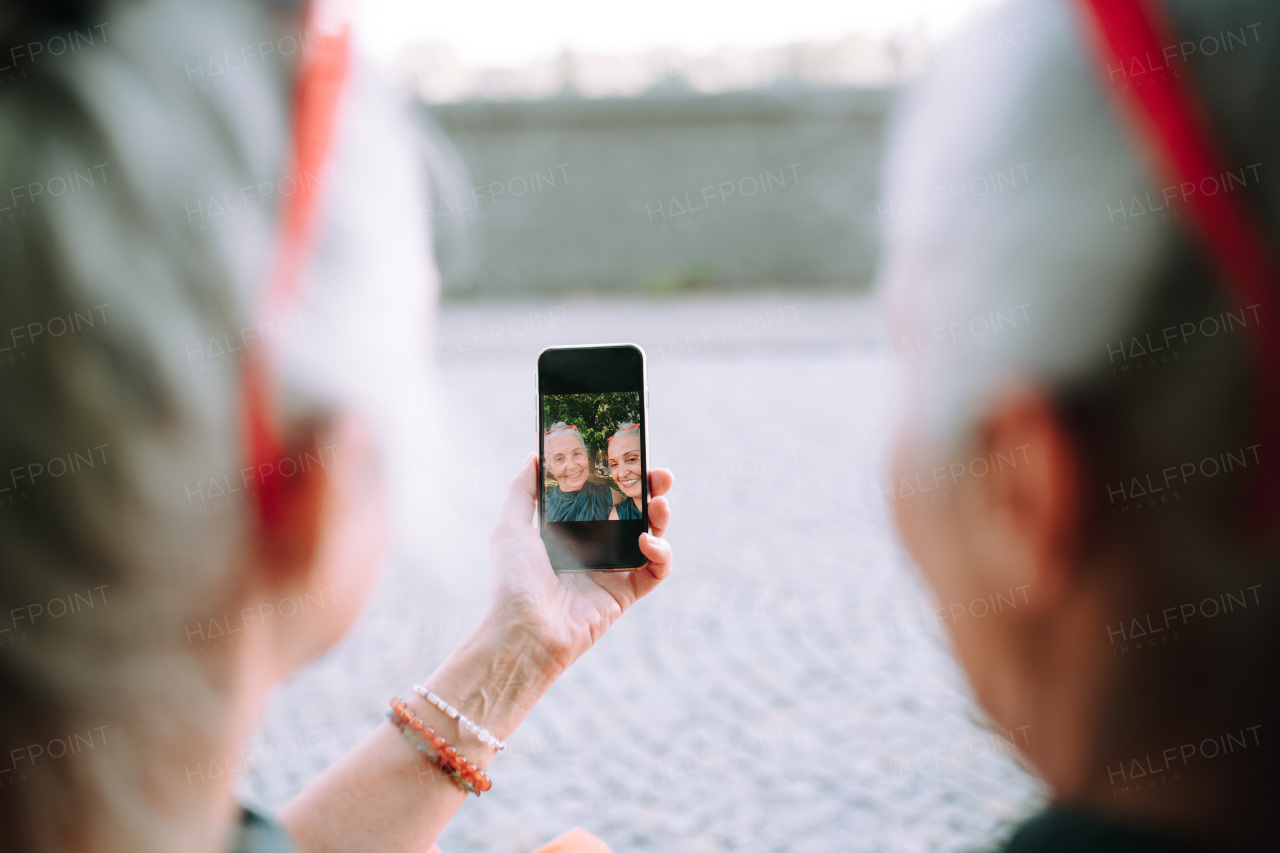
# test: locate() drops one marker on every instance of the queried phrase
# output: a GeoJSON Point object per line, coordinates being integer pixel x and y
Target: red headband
{"type": "Point", "coordinates": [1175, 128]}
{"type": "Point", "coordinates": [625, 429]}
{"type": "Point", "coordinates": [321, 81]}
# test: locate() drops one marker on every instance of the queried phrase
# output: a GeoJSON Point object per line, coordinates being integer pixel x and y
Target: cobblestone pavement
{"type": "Point", "coordinates": [786, 690]}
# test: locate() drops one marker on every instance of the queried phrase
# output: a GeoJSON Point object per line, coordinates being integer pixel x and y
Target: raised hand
{"type": "Point", "coordinates": [567, 612]}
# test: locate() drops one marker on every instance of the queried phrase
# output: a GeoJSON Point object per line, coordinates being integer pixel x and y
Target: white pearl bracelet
{"type": "Point", "coordinates": [486, 737]}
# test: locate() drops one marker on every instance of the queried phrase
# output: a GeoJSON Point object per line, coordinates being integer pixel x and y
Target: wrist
{"type": "Point", "coordinates": [494, 677]}
{"type": "Point", "coordinates": [523, 645]}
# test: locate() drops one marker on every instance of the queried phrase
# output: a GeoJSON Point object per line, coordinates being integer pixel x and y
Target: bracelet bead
{"type": "Point", "coordinates": [462, 773]}
{"type": "Point", "coordinates": [484, 735]}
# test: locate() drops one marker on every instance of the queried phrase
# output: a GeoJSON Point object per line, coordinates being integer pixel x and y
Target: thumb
{"type": "Point", "coordinates": [522, 496]}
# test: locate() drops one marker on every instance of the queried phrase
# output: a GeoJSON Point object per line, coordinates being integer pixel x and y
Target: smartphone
{"type": "Point", "coordinates": [593, 456]}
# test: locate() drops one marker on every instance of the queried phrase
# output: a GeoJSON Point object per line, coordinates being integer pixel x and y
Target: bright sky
{"type": "Point", "coordinates": [514, 32]}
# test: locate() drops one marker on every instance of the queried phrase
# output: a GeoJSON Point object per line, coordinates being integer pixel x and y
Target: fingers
{"type": "Point", "coordinates": [658, 551]}
{"type": "Point", "coordinates": [660, 482]}
{"type": "Point", "coordinates": [522, 496]}
{"type": "Point", "coordinates": [659, 516]}
{"type": "Point", "coordinates": [629, 587]}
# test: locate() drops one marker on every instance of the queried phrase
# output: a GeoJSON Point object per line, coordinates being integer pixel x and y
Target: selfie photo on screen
{"type": "Point", "coordinates": [626, 469]}
{"type": "Point", "coordinates": [593, 468]}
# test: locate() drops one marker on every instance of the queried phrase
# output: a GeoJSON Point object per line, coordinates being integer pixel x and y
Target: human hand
{"type": "Point", "coordinates": [566, 613]}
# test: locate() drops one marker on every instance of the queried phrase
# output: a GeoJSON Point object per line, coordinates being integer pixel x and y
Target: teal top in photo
{"type": "Point", "coordinates": [628, 511]}
{"type": "Point", "coordinates": [590, 503]}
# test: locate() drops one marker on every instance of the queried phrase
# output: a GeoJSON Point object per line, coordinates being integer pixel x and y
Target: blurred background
{"type": "Point", "coordinates": [701, 180]}
{"type": "Point", "coordinates": [678, 149]}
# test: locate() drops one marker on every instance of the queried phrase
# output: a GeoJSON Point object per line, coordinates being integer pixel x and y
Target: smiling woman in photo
{"type": "Point", "coordinates": [624, 467]}
{"type": "Point", "coordinates": [574, 497]}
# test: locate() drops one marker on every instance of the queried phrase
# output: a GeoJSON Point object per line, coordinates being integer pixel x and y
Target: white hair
{"type": "Point", "coordinates": [561, 425]}
{"type": "Point", "coordinates": [625, 426]}
{"type": "Point", "coordinates": [175, 274]}
{"type": "Point", "coordinates": [1029, 140]}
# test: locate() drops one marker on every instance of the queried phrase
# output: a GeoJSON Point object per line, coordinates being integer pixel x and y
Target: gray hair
{"type": "Point", "coordinates": [1052, 261]}
{"type": "Point", "coordinates": [625, 426]}
{"type": "Point", "coordinates": [561, 425]}
{"type": "Point", "coordinates": [159, 148]}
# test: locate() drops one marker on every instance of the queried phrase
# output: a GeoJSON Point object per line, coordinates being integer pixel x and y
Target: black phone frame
{"type": "Point", "coordinates": [594, 546]}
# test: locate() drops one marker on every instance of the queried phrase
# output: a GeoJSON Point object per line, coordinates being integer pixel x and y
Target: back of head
{"type": "Point", "coordinates": [1027, 244]}
{"type": "Point", "coordinates": [142, 177]}
{"type": "Point", "coordinates": [108, 287]}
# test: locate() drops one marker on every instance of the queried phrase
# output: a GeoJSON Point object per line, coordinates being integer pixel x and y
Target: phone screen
{"type": "Point", "coordinates": [593, 455]}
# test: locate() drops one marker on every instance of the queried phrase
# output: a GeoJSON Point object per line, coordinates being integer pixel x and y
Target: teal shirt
{"type": "Point", "coordinates": [258, 833]}
{"type": "Point", "coordinates": [590, 503]}
{"type": "Point", "coordinates": [628, 511]}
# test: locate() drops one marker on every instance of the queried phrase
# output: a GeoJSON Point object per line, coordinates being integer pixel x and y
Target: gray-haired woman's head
{"type": "Point", "coordinates": [625, 460]}
{"type": "Point", "coordinates": [151, 181]}
{"type": "Point", "coordinates": [1027, 251]}
{"type": "Point", "coordinates": [566, 456]}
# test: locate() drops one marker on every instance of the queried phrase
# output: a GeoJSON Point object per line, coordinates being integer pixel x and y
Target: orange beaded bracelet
{"type": "Point", "coordinates": [461, 772]}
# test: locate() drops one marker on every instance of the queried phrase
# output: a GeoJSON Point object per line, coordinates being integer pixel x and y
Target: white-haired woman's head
{"type": "Point", "coordinates": [1029, 290]}
{"type": "Point", "coordinates": [128, 531]}
{"type": "Point", "coordinates": [566, 456]}
{"type": "Point", "coordinates": [625, 464]}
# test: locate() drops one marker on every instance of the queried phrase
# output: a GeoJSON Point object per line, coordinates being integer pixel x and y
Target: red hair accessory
{"type": "Point", "coordinates": [1175, 128]}
{"type": "Point", "coordinates": [317, 96]}
{"type": "Point", "coordinates": [561, 429]}
{"type": "Point", "coordinates": [624, 429]}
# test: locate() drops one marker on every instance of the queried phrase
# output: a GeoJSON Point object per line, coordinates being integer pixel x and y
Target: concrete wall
{"type": "Point", "coordinates": [661, 194]}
